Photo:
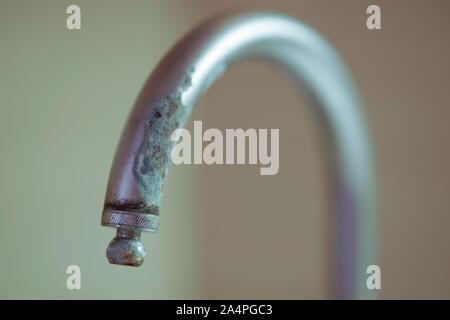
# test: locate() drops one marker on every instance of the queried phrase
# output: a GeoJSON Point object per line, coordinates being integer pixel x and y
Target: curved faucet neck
{"type": "Point", "coordinates": [165, 103]}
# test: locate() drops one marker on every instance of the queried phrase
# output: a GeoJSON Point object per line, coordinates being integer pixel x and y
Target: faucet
{"type": "Point", "coordinates": [141, 161]}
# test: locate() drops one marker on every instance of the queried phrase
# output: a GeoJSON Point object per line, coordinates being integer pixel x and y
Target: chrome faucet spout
{"type": "Point", "coordinates": [140, 165]}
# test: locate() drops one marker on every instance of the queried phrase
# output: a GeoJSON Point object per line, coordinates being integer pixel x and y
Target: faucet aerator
{"type": "Point", "coordinates": [126, 248]}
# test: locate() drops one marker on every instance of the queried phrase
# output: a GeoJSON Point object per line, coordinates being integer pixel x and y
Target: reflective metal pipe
{"type": "Point", "coordinates": [165, 103]}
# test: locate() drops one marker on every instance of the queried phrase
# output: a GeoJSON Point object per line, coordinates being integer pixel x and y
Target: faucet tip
{"type": "Point", "coordinates": [126, 248]}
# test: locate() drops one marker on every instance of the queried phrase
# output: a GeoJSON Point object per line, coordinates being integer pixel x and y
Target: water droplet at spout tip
{"type": "Point", "coordinates": [126, 249]}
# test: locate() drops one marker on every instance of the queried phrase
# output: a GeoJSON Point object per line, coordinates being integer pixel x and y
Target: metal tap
{"type": "Point", "coordinates": [139, 169]}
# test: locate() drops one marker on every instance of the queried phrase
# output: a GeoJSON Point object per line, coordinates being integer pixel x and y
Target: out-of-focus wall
{"type": "Point", "coordinates": [226, 231]}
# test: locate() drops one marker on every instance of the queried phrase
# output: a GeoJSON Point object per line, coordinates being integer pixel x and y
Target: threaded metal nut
{"type": "Point", "coordinates": [127, 219]}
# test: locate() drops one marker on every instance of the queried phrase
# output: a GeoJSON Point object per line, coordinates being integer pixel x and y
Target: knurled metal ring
{"type": "Point", "coordinates": [135, 220]}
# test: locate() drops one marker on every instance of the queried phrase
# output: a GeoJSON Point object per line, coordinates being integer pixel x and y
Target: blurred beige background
{"type": "Point", "coordinates": [226, 231]}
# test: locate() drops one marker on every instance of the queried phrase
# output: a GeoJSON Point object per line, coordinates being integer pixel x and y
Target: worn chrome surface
{"type": "Point", "coordinates": [142, 158]}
